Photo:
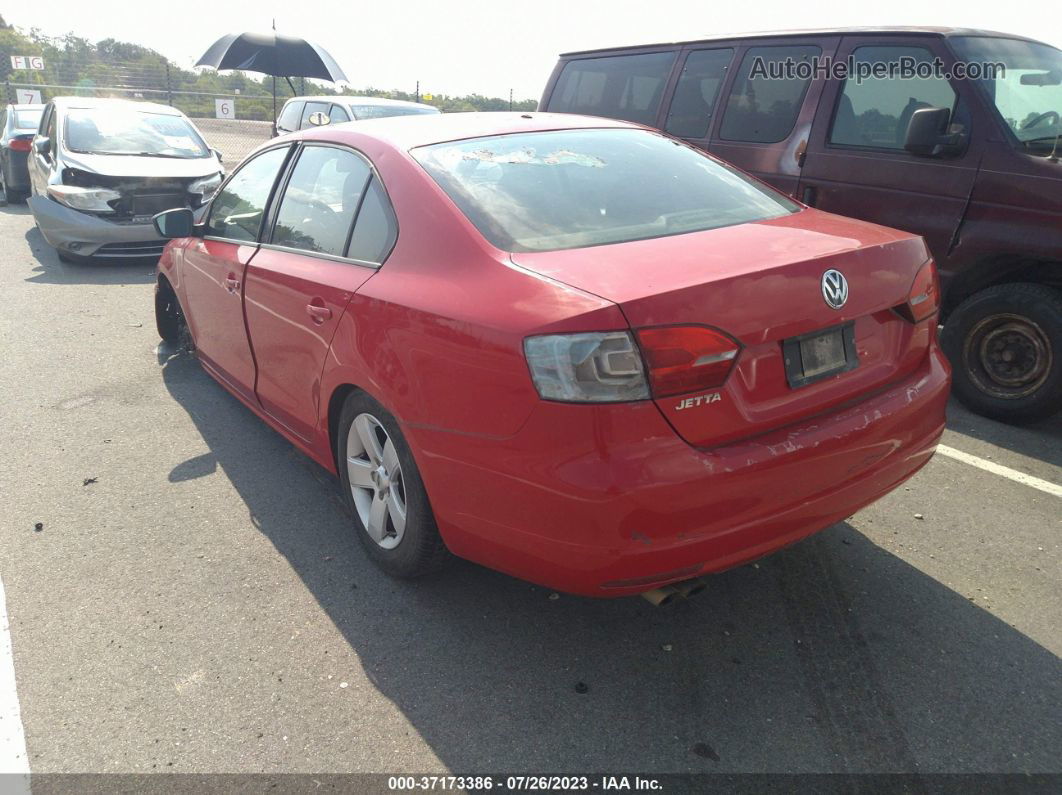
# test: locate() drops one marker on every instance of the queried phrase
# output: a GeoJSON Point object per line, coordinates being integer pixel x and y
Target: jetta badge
{"type": "Point", "coordinates": [834, 289]}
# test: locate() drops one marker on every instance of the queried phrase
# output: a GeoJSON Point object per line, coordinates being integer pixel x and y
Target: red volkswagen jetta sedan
{"type": "Point", "coordinates": [575, 350]}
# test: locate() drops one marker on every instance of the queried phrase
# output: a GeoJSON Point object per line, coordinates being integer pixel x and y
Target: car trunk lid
{"type": "Point", "coordinates": [761, 283]}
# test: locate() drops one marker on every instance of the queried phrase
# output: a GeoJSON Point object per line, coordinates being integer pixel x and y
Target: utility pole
{"type": "Point", "coordinates": [510, 99]}
{"type": "Point", "coordinates": [418, 91]}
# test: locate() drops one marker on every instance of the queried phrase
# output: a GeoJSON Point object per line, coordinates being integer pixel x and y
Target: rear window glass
{"type": "Point", "coordinates": [28, 119]}
{"type": "Point", "coordinates": [574, 188]}
{"type": "Point", "coordinates": [627, 87]}
{"type": "Point", "coordinates": [290, 116]}
{"type": "Point", "coordinates": [761, 109]}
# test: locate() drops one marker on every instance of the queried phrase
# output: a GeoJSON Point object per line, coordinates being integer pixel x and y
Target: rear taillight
{"type": "Point", "coordinates": [923, 300]}
{"type": "Point", "coordinates": [19, 144]}
{"type": "Point", "coordinates": [683, 359]}
{"type": "Point", "coordinates": [591, 367]}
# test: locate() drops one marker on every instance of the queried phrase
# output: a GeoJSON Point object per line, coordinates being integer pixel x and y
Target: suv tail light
{"type": "Point", "coordinates": [683, 359]}
{"type": "Point", "coordinates": [923, 300]}
{"type": "Point", "coordinates": [20, 144]}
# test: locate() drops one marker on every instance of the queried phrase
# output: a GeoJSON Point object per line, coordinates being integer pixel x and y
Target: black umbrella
{"type": "Point", "coordinates": [272, 54]}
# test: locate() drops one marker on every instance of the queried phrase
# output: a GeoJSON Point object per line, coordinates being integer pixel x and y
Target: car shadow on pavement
{"type": "Point", "coordinates": [831, 656]}
{"type": "Point", "coordinates": [50, 270]}
{"type": "Point", "coordinates": [1042, 440]}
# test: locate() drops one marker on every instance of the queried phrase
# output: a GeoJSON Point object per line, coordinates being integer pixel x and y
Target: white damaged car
{"type": "Point", "coordinates": [100, 169]}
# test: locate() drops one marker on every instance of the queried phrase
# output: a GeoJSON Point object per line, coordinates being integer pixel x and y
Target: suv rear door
{"type": "Point", "coordinates": [855, 163]}
{"type": "Point", "coordinates": [764, 121]}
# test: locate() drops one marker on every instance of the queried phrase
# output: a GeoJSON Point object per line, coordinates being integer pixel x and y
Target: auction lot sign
{"type": "Point", "coordinates": [27, 62]}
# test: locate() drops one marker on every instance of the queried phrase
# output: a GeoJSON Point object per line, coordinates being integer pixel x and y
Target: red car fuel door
{"type": "Point", "coordinates": [299, 284]}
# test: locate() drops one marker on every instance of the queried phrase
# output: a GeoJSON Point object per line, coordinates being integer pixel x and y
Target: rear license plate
{"type": "Point", "coordinates": [818, 355]}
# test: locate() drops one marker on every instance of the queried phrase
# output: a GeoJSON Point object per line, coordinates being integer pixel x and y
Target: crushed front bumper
{"type": "Point", "coordinates": [85, 235]}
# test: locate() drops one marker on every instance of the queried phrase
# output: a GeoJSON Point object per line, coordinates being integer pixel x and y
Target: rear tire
{"type": "Point", "coordinates": [1005, 347]}
{"type": "Point", "coordinates": [392, 515]}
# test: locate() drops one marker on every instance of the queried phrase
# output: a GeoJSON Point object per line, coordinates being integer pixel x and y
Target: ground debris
{"type": "Point", "coordinates": [89, 481]}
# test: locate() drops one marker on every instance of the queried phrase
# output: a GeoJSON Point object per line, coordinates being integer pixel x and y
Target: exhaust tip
{"type": "Point", "coordinates": [658, 597]}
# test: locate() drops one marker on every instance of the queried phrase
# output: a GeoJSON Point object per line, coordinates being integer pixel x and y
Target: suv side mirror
{"type": "Point", "coordinates": [928, 136]}
{"type": "Point", "coordinates": [174, 223]}
{"type": "Point", "coordinates": [42, 145]}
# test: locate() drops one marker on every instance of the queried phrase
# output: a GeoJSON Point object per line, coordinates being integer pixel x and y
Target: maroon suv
{"type": "Point", "coordinates": [970, 161]}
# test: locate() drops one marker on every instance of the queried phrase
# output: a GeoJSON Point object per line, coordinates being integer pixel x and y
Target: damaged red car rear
{"type": "Point", "coordinates": [603, 360]}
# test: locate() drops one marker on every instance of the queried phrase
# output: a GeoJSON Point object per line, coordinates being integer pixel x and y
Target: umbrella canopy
{"type": "Point", "coordinates": [272, 54]}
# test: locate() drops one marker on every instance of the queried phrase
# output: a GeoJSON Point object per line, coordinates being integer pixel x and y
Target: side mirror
{"type": "Point", "coordinates": [174, 223]}
{"type": "Point", "coordinates": [42, 144]}
{"type": "Point", "coordinates": [928, 136]}
{"type": "Point", "coordinates": [217, 153]}
{"type": "Point", "coordinates": [318, 119]}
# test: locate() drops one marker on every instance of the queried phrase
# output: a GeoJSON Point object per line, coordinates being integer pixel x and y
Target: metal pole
{"type": "Point", "coordinates": [510, 99]}
{"type": "Point", "coordinates": [169, 87]}
{"type": "Point", "coordinates": [274, 102]}
{"type": "Point", "coordinates": [418, 91]}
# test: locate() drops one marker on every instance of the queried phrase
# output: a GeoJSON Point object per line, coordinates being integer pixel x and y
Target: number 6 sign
{"type": "Point", "coordinates": [224, 109]}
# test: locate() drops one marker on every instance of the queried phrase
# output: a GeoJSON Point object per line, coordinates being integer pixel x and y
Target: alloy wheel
{"type": "Point", "coordinates": [376, 482]}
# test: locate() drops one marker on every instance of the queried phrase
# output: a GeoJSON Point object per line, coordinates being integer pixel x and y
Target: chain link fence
{"type": "Point", "coordinates": [234, 123]}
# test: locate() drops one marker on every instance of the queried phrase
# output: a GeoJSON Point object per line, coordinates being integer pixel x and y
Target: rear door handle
{"type": "Point", "coordinates": [232, 284]}
{"type": "Point", "coordinates": [317, 311]}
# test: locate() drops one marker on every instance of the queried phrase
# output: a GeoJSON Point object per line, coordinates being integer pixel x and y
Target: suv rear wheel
{"type": "Point", "coordinates": [1005, 347]}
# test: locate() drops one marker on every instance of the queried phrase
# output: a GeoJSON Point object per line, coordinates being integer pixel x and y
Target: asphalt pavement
{"type": "Point", "coordinates": [185, 595]}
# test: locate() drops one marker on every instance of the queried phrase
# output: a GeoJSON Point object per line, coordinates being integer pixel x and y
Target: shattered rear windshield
{"type": "Point", "coordinates": [546, 191]}
{"type": "Point", "coordinates": [120, 131]}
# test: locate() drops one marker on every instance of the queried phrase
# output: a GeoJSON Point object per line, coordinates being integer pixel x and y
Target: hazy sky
{"type": "Point", "coordinates": [467, 46]}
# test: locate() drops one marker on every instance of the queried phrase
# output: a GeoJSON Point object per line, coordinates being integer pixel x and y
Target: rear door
{"type": "Point", "coordinates": [770, 100]}
{"type": "Point", "coordinates": [856, 164]}
{"type": "Point", "coordinates": [299, 285]}
{"type": "Point", "coordinates": [212, 269]}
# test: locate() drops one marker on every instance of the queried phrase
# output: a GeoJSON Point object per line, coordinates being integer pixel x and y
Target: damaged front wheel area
{"type": "Point", "coordinates": [169, 318]}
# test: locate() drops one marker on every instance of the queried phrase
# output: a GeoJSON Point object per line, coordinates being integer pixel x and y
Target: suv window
{"type": "Point", "coordinates": [760, 109]}
{"type": "Point", "coordinates": [627, 87]}
{"type": "Point", "coordinates": [337, 115]}
{"type": "Point", "coordinates": [312, 108]}
{"type": "Point", "coordinates": [696, 92]}
{"type": "Point", "coordinates": [376, 229]}
{"type": "Point", "coordinates": [290, 116]}
{"type": "Point", "coordinates": [237, 211]}
{"type": "Point", "coordinates": [874, 112]}
{"type": "Point", "coordinates": [320, 200]}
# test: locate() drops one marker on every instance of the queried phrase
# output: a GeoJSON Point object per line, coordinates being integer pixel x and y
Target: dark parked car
{"type": "Point", "coordinates": [972, 165]}
{"type": "Point", "coordinates": [18, 123]}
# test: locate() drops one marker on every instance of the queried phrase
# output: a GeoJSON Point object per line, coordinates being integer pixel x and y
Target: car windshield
{"type": "Point", "coordinates": [574, 188]}
{"type": "Point", "coordinates": [1028, 93]}
{"type": "Point", "coordinates": [28, 119]}
{"type": "Point", "coordinates": [120, 131]}
{"type": "Point", "coordinates": [382, 111]}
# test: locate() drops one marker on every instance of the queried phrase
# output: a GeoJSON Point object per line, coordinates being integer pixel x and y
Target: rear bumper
{"type": "Point", "coordinates": [85, 235]}
{"type": "Point", "coordinates": [608, 501]}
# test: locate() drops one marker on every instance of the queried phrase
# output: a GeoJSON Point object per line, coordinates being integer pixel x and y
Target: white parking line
{"type": "Point", "coordinates": [998, 469]}
{"type": "Point", "coordinates": [13, 756]}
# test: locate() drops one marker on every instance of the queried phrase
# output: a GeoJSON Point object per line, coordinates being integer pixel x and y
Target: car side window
{"type": "Point", "coordinates": [309, 111]}
{"type": "Point", "coordinates": [376, 229]}
{"type": "Point", "coordinates": [322, 195]}
{"type": "Point", "coordinates": [696, 92]}
{"type": "Point", "coordinates": [760, 108]}
{"type": "Point", "coordinates": [874, 112]}
{"type": "Point", "coordinates": [237, 211]}
{"type": "Point", "coordinates": [290, 116]}
{"type": "Point", "coordinates": [337, 115]}
{"type": "Point", "coordinates": [628, 87]}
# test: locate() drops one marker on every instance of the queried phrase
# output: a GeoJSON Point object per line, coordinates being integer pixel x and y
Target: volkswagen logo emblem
{"type": "Point", "coordinates": [834, 289]}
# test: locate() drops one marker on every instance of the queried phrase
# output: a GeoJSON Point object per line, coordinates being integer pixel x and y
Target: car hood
{"type": "Point", "coordinates": [140, 166]}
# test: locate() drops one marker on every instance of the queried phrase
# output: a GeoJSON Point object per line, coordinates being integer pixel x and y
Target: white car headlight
{"type": "Point", "coordinates": [206, 187]}
{"type": "Point", "coordinates": [86, 199]}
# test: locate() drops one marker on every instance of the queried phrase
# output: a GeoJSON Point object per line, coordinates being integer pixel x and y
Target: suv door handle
{"type": "Point", "coordinates": [232, 284]}
{"type": "Point", "coordinates": [317, 311]}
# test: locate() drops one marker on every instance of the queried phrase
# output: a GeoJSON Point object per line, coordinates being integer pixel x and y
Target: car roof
{"type": "Point", "coordinates": [914, 30]}
{"type": "Point", "coordinates": [346, 99]}
{"type": "Point", "coordinates": [64, 103]}
{"type": "Point", "coordinates": [409, 132]}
